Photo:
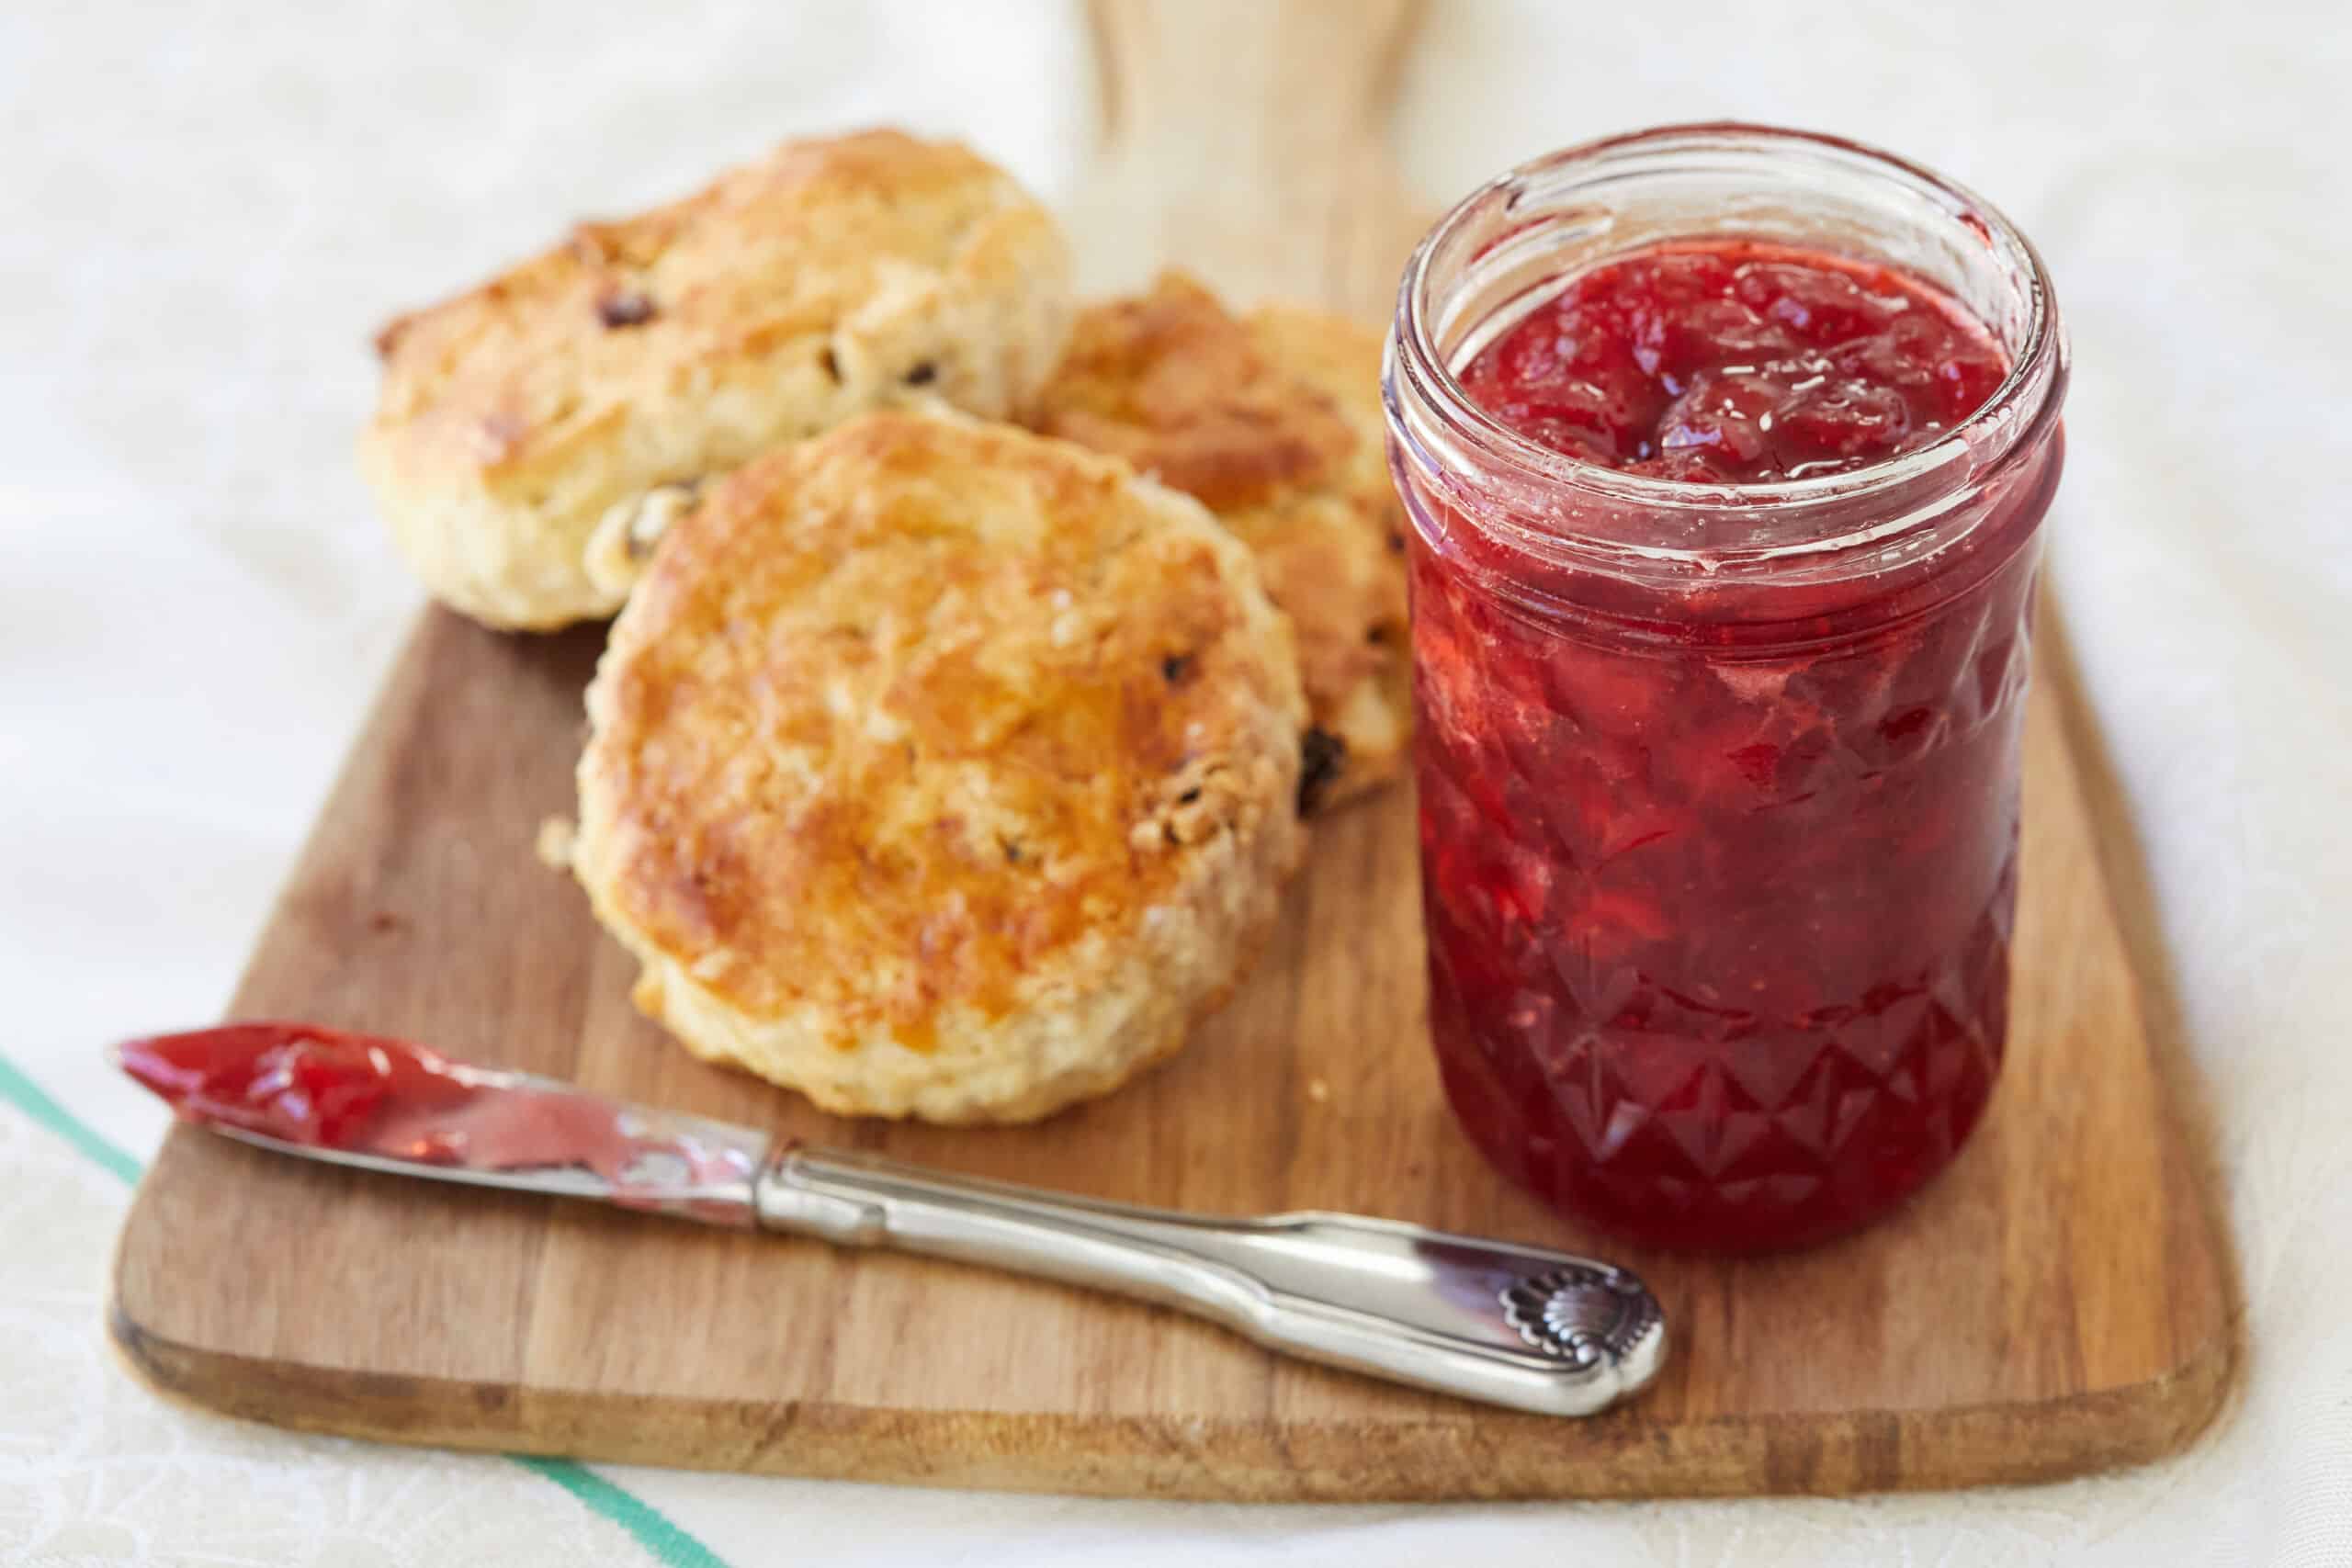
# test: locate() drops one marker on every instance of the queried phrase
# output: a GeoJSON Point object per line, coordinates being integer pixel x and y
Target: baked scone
{"type": "Point", "coordinates": [940, 770]}
{"type": "Point", "coordinates": [1274, 421]}
{"type": "Point", "coordinates": [601, 383]}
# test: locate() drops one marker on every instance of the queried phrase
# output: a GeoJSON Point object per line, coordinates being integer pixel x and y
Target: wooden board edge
{"type": "Point", "coordinates": [1474, 1456]}
{"type": "Point", "coordinates": [2130, 892]}
{"type": "Point", "coordinates": [410, 665]}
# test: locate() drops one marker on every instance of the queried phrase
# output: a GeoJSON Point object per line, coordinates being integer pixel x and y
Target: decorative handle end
{"type": "Point", "coordinates": [1587, 1315]}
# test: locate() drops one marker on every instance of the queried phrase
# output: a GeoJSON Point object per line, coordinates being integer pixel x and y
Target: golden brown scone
{"type": "Point", "coordinates": [567, 408]}
{"type": "Point", "coordinates": [940, 770]}
{"type": "Point", "coordinates": [1275, 422]}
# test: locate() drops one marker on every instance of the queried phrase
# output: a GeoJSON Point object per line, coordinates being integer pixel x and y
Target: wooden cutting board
{"type": "Point", "coordinates": [2058, 1302]}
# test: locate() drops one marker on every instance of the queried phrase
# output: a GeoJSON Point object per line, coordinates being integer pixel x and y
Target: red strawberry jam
{"type": "Point", "coordinates": [1720, 857]}
{"type": "Point", "coordinates": [1733, 362]}
{"type": "Point", "coordinates": [295, 1081]}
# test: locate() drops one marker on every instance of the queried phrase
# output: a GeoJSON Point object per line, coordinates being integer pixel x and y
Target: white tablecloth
{"type": "Point", "coordinates": [204, 210]}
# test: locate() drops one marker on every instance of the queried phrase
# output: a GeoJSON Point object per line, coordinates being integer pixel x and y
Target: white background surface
{"type": "Point", "coordinates": [205, 210]}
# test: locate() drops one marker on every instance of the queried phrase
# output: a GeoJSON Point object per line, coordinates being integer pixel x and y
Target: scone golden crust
{"type": "Point", "coordinates": [604, 380]}
{"type": "Point", "coordinates": [1274, 421]}
{"type": "Point", "coordinates": [938, 768]}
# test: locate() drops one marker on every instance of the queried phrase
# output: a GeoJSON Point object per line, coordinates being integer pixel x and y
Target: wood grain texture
{"type": "Point", "coordinates": [2058, 1302]}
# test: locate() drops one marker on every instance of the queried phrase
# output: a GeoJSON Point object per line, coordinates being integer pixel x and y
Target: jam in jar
{"type": "Point", "coordinates": [1726, 450]}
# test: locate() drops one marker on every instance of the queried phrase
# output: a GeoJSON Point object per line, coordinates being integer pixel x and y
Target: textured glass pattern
{"type": "Point", "coordinates": [1719, 945]}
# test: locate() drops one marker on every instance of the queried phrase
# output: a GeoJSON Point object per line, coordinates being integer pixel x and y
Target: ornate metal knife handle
{"type": "Point", "coordinates": [1512, 1325]}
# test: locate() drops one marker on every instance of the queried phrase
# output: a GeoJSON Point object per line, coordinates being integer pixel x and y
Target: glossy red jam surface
{"type": "Point", "coordinates": [1737, 363]}
{"type": "Point", "coordinates": [373, 1095]}
{"type": "Point", "coordinates": [1719, 876]}
{"type": "Point", "coordinates": [294, 1081]}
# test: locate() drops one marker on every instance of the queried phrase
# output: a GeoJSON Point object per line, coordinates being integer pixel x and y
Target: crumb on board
{"type": "Point", "coordinates": [1319, 1091]}
{"type": "Point", "coordinates": [554, 844]}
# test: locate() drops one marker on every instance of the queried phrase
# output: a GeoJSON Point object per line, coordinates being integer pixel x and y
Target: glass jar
{"type": "Point", "coordinates": [1719, 783]}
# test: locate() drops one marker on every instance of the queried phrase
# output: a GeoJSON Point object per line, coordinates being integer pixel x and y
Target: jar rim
{"type": "Point", "coordinates": [2024, 403]}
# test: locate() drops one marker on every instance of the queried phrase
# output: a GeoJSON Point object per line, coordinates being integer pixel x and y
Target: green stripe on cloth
{"type": "Point", "coordinates": [646, 1524]}
{"type": "Point", "coordinates": [651, 1528]}
{"type": "Point", "coordinates": [34, 1101]}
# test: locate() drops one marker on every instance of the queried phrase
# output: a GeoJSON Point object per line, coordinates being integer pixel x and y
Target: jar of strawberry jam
{"type": "Point", "coordinates": [1726, 450]}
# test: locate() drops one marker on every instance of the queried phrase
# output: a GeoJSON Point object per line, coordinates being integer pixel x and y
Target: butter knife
{"type": "Point", "coordinates": [1522, 1326]}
